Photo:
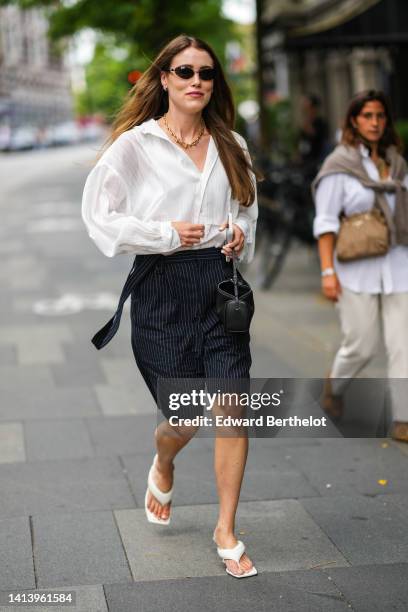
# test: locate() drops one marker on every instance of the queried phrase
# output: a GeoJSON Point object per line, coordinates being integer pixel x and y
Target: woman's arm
{"type": "Point", "coordinates": [331, 287]}
{"type": "Point", "coordinates": [113, 226]}
{"type": "Point", "coordinates": [329, 204]}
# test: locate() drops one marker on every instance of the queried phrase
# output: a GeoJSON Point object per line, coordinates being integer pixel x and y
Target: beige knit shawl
{"type": "Point", "coordinates": [348, 160]}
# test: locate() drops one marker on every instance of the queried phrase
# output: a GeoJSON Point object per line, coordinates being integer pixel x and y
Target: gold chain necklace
{"type": "Point", "coordinates": [382, 167]}
{"type": "Point", "coordinates": [185, 145]}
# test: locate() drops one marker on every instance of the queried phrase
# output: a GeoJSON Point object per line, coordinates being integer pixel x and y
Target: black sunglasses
{"type": "Point", "coordinates": [186, 72]}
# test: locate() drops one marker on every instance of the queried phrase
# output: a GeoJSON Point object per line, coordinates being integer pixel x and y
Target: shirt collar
{"type": "Point", "coordinates": [152, 127]}
{"type": "Point", "coordinates": [364, 150]}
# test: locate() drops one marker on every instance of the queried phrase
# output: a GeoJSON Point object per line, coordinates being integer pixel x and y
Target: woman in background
{"type": "Point", "coordinates": [371, 294]}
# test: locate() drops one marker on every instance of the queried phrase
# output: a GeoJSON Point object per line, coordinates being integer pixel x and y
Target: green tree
{"type": "Point", "coordinates": [145, 24]}
{"type": "Point", "coordinates": [106, 80]}
{"type": "Point", "coordinates": [139, 28]}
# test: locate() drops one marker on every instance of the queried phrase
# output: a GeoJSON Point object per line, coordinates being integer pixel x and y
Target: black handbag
{"type": "Point", "coordinates": [235, 302]}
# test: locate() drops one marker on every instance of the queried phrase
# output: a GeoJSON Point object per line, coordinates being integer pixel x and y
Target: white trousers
{"type": "Point", "coordinates": [363, 318]}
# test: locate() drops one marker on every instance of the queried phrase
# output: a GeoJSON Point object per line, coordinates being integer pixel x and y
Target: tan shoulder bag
{"type": "Point", "coordinates": [362, 235]}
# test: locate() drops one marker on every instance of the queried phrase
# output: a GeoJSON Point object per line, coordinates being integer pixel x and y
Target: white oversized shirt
{"type": "Point", "coordinates": [340, 192]}
{"type": "Point", "coordinates": [144, 181]}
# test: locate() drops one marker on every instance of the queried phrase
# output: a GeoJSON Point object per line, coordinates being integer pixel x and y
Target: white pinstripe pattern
{"type": "Point", "coordinates": [176, 332]}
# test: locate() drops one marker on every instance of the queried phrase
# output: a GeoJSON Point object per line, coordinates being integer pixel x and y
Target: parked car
{"type": "Point", "coordinates": [5, 136]}
{"type": "Point", "coordinates": [23, 138]}
{"type": "Point", "coordinates": [92, 131]}
{"type": "Point", "coordinates": [65, 133]}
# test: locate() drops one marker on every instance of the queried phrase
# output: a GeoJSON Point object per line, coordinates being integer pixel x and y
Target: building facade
{"type": "Point", "coordinates": [335, 48]}
{"type": "Point", "coordinates": [34, 78]}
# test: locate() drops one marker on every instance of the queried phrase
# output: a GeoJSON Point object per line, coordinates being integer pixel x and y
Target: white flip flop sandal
{"type": "Point", "coordinates": [235, 554]}
{"type": "Point", "coordinates": [162, 498]}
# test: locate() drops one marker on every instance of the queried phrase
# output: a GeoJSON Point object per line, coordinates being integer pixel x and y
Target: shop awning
{"type": "Point", "coordinates": [332, 16]}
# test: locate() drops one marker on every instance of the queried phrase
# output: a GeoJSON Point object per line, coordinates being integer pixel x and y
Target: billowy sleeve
{"type": "Point", "coordinates": [329, 203]}
{"type": "Point", "coordinates": [112, 225]}
{"type": "Point", "coordinates": [247, 215]}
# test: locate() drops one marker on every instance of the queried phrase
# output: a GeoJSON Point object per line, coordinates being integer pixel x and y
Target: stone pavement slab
{"type": "Point", "coordinates": [125, 434]}
{"type": "Point", "coordinates": [21, 312]}
{"type": "Point", "coordinates": [307, 591]}
{"type": "Point", "coordinates": [377, 588]}
{"type": "Point", "coordinates": [395, 501]}
{"type": "Point", "coordinates": [37, 344]}
{"type": "Point", "coordinates": [285, 442]}
{"type": "Point", "coordinates": [78, 548]}
{"type": "Point", "coordinates": [57, 244]}
{"type": "Point", "coordinates": [84, 372]}
{"type": "Point", "coordinates": [353, 465]}
{"type": "Point", "coordinates": [28, 377]}
{"type": "Point", "coordinates": [34, 280]}
{"type": "Point", "coordinates": [123, 400]}
{"type": "Point", "coordinates": [82, 348]}
{"type": "Point", "coordinates": [12, 447]}
{"type": "Point", "coordinates": [268, 361]}
{"type": "Point", "coordinates": [43, 401]}
{"type": "Point", "coordinates": [88, 599]}
{"type": "Point", "coordinates": [298, 351]}
{"type": "Point", "coordinates": [8, 355]}
{"type": "Point", "coordinates": [130, 434]}
{"type": "Point", "coordinates": [57, 439]}
{"type": "Point", "coordinates": [16, 558]}
{"type": "Point", "coordinates": [402, 446]}
{"type": "Point", "coordinates": [11, 247]}
{"type": "Point", "coordinates": [66, 485]}
{"type": "Point", "coordinates": [123, 372]}
{"type": "Point", "coordinates": [271, 474]}
{"type": "Point", "coordinates": [70, 269]}
{"type": "Point", "coordinates": [362, 528]}
{"type": "Point", "coordinates": [22, 272]}
{"type": "Point", "coordinates": [279, 535]}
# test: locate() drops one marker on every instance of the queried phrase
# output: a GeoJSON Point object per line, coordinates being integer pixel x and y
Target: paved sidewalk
{"type": "Point", "coordinates": [325, 520]}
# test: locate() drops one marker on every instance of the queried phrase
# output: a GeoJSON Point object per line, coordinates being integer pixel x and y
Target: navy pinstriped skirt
{"type": "Point", "coordinates": [176, 332]}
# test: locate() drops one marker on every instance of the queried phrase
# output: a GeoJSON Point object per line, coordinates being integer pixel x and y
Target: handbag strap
{"type": "Point", "coordinates": [234, 266]}
{"type": "Point", "coordinates": [226, 262]}
{"type": "Point", "coordinates": [235, 275]}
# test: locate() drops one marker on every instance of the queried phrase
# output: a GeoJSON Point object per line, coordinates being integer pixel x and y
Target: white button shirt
{"type": "Point", "coordinates": [144, 181]}
{"type": "Point", "coordinates": [340, 192]}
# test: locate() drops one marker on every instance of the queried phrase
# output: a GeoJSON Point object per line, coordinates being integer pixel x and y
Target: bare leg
{"type": "Point", "coordinates": [229, 462]}
{"type": "Point", "coordinates": [169, 441]}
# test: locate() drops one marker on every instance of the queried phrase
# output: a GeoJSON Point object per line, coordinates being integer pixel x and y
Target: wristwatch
{"type": "Point", "coordinates": [328, 272]}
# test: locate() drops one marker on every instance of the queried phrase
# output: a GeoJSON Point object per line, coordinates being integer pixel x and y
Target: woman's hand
{"type": "Point", "coordinates": [237, 243]}
{"type": "Point", "coordinates": [331, 287]}
{"type": "Point", "coordinates": [190, 233]}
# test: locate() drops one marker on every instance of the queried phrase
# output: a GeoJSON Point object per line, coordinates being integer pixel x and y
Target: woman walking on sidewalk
{"type": "Point", "coordinates": [165, 186]}
{"type": "Point", "coordinates": [366, 172]}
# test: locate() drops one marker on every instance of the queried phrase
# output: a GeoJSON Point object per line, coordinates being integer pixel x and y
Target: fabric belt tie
{"type": "Point", "coordinates": [135, 277]}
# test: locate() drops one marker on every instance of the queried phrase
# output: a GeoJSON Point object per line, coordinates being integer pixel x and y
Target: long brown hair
{"type": "Point", "coordinates": [147, 100]}
{"type": "Point", "coordinates": [351, 135]}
